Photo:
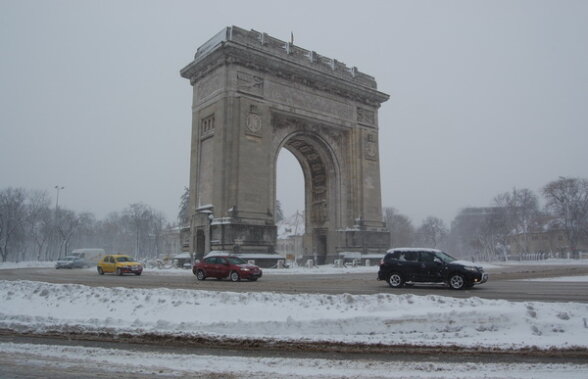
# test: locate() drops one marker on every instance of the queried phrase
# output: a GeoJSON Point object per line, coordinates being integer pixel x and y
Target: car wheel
{"type": "Point", "coordinates": [234, 276]}
{"type": "Point", "coordinates": [100, 271]}
{"type": "Point", "coordinates": [118, 272]}
{"type": "Point", "coordinates": [457, 282]}
{"type": "Point", "coordinates": [395, 280]}
{"type": "Point", "coordinates": [200, 275]}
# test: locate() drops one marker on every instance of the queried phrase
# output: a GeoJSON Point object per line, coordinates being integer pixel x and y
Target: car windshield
{"type": "Point", "coordinates": [124, 259]}
{"type": "Point", "coordinates": [236, 261]}
{"type": "Point", "coordinates": [445, 257]}
{"type": "Point", "coordinates": [67, 259]}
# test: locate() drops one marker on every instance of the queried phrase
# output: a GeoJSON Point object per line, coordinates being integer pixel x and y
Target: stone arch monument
{"type": "Point", "coordinates": [254, 95]}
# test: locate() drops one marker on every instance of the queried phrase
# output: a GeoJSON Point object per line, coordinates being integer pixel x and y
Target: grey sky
{"type": "Point", "coordinates": [485, 96]}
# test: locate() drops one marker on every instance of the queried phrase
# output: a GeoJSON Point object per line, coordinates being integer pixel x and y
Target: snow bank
{"type": "Point", "coordinates": [383, 318]}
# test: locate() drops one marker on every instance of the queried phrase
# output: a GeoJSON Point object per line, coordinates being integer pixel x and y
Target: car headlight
{"type": "Point", "coordinates": [471, 268]}
{"type": "Point", "coordinates": [245, 269]}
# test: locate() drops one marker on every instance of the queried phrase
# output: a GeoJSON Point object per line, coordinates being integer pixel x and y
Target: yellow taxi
{"type": "Point", "coordinates": [119, 264]}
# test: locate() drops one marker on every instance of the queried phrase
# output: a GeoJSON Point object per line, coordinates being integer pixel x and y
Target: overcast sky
{"type": "Point", "coordinates": [485, 95]}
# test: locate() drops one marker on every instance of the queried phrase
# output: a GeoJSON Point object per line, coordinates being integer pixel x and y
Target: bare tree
{"type": "Point", "coordinates": [521, 212]}
{"type": "Point", "coordinates": [87, 231]}
{"type": "Point", "coordinates": [432, 233]}
{"type": "Point", "coordinates": [39, 222]}
{"type": "Point", "coordinates": [31, 229]}
{"type": "Point", "coordinates": [157, 225]}
{"type": "Point", "coordinates": [279, 213]}
{"type": "Point", "coordinates": [12, 218]}
{"type": "Point", "coordinates": [67, 225]}
{"type": "Point", "coordinates": [479, 232]}
{"type": "Point", "coordinates": [400, 227]}
{"type": "Point", "coordinates": [147, 226]}
{"type": "Point", "coordinates": [567, 198]}
{"type": "Point", "coordinates": [184, 213]}
{"type": "Point", "coordinates": [115, 234]}
{"type": "Point", "coordinates": [491, 235]}
{"type": "Point", "coordinates": [138, 216]}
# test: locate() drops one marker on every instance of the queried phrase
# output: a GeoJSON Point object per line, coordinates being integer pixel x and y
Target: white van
{"type": "Point", "coordinates": [90, 255]}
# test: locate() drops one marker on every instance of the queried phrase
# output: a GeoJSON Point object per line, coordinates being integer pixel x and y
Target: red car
{"type": "Point", "coordinates": [231, 267]}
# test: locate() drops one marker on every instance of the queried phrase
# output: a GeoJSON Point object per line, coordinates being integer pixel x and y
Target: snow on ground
{"type": "Point", "coordinates": [548, 262]}
{"type": "Point", "coordinates": [28, 264]}
{"type": "Point", "coordinates": [560, 279]}
{"type": "Point", "coordinates": [190, 365]}
{"type": "Point", "coordinates": [382, 318]}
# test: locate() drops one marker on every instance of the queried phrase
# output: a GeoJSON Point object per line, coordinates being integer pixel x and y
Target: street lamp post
{"type": "Point", "coordinates": [58, 188]}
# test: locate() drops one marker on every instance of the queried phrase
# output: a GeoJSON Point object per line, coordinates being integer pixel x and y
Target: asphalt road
{"type": "Point", "coordinates": [504, 283]}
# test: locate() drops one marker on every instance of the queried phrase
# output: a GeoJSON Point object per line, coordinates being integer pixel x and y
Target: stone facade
{"type": "Point", "coordinates": [254, 95]}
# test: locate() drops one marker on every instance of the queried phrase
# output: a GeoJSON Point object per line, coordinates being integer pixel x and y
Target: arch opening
{"type": "Point", "coordinates": [289, 185]}
{"type": "Point", "coordinates": [290, 193]}
{"type": "Point", "coordinates": [320, 172]}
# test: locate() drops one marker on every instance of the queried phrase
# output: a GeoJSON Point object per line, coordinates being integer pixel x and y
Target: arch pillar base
{"type": "Point", "coordinates": [243, 238]}
{"type": "Point", "coordinates": [362, 244]}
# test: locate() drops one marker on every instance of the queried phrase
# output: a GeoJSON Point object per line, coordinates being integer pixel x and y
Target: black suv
{"type": "Point", "coordinates": [411, 265]}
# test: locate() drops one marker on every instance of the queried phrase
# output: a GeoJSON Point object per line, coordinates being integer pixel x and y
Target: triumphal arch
{"type": "Point", "coordinates": [254, 95]}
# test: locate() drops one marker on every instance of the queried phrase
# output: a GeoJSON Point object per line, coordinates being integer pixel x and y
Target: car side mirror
{"type": "Point", "coordinates": [438, 261]}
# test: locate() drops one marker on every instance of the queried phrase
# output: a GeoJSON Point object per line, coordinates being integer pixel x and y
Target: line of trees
{"type": "Point", "coordinates": [483, 233]}
{"type": "Point", "coordinates": [31, 229]}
